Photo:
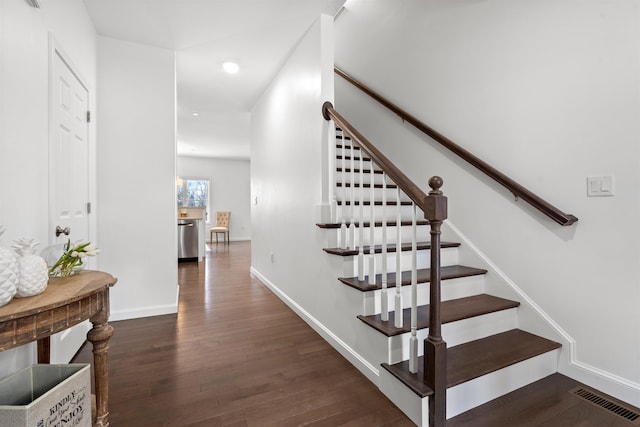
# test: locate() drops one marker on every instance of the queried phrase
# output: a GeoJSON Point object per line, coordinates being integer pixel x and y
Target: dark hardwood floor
{"type": "Point", "coordinates": [235, 355]}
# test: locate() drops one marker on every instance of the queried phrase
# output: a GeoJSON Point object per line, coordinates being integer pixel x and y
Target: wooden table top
{"type": "Point", "coordinates": [59, 292]}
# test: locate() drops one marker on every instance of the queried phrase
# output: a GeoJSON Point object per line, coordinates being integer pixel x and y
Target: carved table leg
{"type": "Point", "coordinates": [99, 337]}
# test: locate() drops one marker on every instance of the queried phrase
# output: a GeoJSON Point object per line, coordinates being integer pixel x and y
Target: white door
{"type": "Point", "coordinates": [68, 175]}
{"type": "Point", "coordinates": [69, 178]}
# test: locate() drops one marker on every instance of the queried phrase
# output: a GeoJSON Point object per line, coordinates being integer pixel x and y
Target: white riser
{"type": "Point", "coordinates": [451, 289]}
{"type": "Point", "coordinates": [347, 212]}
{"type": "Point", "coordinates": [344, 193]}
{"type": "Point", "coordinates": [396, 349]}
{"type": "Point", "coordinates": [453, 333]}
{"type": "Point", "coordinates": [406, 233]}
{"type": "Point", "coordinates": [377, 177]}
{"type": "Point", "coordinates": [473, 393]}
{"type": "Point", "coordinates": [448, 256]}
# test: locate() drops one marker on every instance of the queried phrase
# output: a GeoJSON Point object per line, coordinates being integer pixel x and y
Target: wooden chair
{"type": "Point", "coordinates": [222, 226]}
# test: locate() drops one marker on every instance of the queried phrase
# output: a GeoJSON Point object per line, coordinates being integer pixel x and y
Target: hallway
{"type": "Point", "coordinates": [235, 355]}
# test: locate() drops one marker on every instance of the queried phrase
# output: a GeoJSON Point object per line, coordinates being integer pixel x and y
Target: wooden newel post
{"type": "Point", "coordinates": [435, 348]}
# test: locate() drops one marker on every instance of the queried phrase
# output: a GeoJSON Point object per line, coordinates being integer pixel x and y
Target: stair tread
{"type": "Point", "coordinates": [474, 359]}
{"type": "Point", "coordinates": [390, 248]}
{"type": "Point", "coordinates": [366, 185]}
{"type": "Point", "coordinates": [376, 202]}
{"type": "Point", "coordinates": [355, 159]}
{"type": "Point", "coordinates": [376, 223]}
{"type": "Point", "coordinates": [448, 272]}
{"type": "Point", "coordinates": [356, 170]}
{"type": "Point", "coordinates": [347, 147]}
{"type": "Point", "coordinates": [452, 310]}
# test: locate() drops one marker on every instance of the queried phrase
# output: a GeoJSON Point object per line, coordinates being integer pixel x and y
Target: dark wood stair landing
{"type": "Point", "coordinates": [452, 310]}
{"type": "Point", "coordinates": [476, 358]}
{"type": "Point", "coordinates": [545, 403]}
{"type": "Point", "coordinates": [424, 276]}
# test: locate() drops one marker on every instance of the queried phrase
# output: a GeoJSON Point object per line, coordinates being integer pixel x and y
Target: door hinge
{"type": "Point", "coordinates": [88, 116]}
{"type": "Point", "coordinates": [88, 207]}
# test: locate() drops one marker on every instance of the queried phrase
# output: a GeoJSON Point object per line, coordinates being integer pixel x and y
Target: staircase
{"type": "Point", "coordinates": [487, 355]}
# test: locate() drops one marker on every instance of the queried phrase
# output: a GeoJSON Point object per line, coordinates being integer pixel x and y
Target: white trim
{"type": "Point", "coordinates": [347, 352]}
{"type": "Point", "coordinates": [157, 310]}
{"type": "Point", "coordinates": [607, 382]}
{"type": "Point", "coordinates": [233, 239]}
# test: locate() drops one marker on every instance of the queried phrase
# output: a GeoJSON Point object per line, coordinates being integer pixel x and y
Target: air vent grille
{"type": "Point", "coordinates": [607, 404]}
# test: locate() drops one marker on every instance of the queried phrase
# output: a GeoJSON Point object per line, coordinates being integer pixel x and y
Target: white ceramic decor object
{"type": "Point", "coordinates": [33, 269]}
{"type": "Point", "coordinates": [9, 274]}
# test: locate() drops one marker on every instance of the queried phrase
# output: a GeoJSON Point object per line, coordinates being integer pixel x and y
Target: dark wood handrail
{"type": "Point", "coordinates": [516, 189]}
{"type": "Point", "coordinates": [396, 175]}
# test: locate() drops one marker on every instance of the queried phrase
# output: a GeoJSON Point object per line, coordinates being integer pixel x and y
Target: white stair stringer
{"type": "Point", "coordinates": [470, 394]}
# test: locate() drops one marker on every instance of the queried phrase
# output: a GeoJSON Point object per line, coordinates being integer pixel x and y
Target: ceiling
{"type": "Point", "coordinates": [256, 34]}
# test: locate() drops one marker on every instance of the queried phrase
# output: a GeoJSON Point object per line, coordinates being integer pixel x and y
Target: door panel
{"type": "Point", "coordinates": [69, 177]}
{"type": "Point", "coordinates": [70, 189]}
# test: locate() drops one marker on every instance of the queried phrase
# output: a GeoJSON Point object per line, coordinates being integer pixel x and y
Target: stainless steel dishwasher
{"type": "Point", "coordinates": [187, 240]}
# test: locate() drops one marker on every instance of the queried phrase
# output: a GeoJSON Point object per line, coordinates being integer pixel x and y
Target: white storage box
{"type": "Point", "coordinates": [47, 396]}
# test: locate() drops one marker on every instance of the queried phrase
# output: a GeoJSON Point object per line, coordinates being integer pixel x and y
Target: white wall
{"type": "Point", "coordinates": [230, 190]}
{"type": "Point", "coordinates": [136, 176]}
{"type": "Point", "coordinates": [549, 93]}
{"type": "Point", "coordinates": [288, 140]}
{"type": "Point", "coordinates": [24, 119]}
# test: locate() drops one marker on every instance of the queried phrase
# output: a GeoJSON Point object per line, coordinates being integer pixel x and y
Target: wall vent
{"type": "Point", "coordinates": [607, 404]}
{"type": "Point", "coordinates": [34, 3]}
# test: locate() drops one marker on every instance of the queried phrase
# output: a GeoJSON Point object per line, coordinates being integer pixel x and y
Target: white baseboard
{"type": "Point", "coordinates": [370, 371]}
{"type": "Point", "coordinates": [158, 310]}
{"type": "Point", "coordinates": [232, 239]}
{"type": "Point", "coordinates": [618, 387]}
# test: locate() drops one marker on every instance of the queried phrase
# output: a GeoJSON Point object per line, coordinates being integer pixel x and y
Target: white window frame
{"type": "Point", "coordinates": [184, 193]}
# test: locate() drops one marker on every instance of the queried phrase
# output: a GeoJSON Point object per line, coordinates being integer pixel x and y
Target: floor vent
{"type": "Point", "coordinates": [607, 404]}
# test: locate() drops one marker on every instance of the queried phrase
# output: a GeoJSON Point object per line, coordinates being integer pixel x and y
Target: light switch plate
{"type": "Point", "coordinates": [600, 186]}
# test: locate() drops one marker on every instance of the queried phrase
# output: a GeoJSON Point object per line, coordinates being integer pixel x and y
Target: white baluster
{"type": "Point", "coordinates": [384, 303]}
{"type": "Point", "coordinates": [413, 341]}
{"type": "Point", "coordinates": [344, 244]}
{"type": "Point", "coordinates": [372, 229]}
{"type": "Point", "coordinates": [352, 225]}
{"type": "Point", "coordinates": [398, 306]}
{"type": "Point", "coordinates": [361, 220]}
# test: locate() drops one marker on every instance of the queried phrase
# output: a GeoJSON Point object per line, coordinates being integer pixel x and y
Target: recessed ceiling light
{"type": "Point", "coordinates": [231, 67]}
{"type": "Point", "coordinates": [195, 113]}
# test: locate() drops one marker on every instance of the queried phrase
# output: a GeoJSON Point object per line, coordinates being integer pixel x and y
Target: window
{"type": "Point", "coordinates": [194, 193]}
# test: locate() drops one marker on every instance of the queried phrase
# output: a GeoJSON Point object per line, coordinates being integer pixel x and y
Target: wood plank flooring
{"type": "Point", "coordinates": [234, 355]}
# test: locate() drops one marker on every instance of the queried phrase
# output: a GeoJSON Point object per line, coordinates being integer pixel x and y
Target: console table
{"type": "Point", "coordinates": [65, 303]}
